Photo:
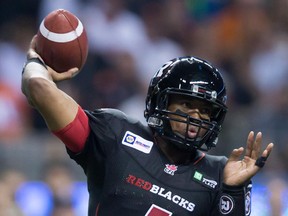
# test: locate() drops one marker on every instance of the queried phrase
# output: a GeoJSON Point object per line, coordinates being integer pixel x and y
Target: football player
{"type": "Point", "coordinates": [157, 169]}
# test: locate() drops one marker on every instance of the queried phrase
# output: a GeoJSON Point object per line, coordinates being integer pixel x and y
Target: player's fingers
{"type": "Point", "coordinates": [256, 146]}
{"type": "Point", "coordinates": [260, 162]}
{"type": "Point", "coordinates": [249, 144]}
{"type": "Point", "coordinates": [268, 150]}
{"type": "Point", "coordinates": [31, 51]}
{"type": "Point", "coordinates": [236, 154]}
{"type": "Point", "coordinates": [63, 76]}
{"type": "Point", "coordinates": [33, 42]}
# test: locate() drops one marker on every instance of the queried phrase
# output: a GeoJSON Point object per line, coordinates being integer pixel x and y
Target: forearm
{"type": "Point", "coordinates": [57, 108]}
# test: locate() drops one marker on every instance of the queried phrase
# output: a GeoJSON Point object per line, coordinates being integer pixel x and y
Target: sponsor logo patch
{"type": "Point", "coordinates": [198, 176]}
{"type": "Point", "coordinates": [134, 141]}
{"type": "Point", "coordinates": [204, 180]}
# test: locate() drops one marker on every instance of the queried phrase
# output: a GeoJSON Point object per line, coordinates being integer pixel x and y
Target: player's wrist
{"type": "Point", "coordinates": [232, 188]}
{"type": "Point", "coordinates": [36, 60]}
{"type": "Point", "coordinates": [35, 68]}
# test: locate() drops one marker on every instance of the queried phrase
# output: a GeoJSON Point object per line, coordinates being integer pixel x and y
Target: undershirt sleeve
{"type": "Point", "coordinates": [75, 134]}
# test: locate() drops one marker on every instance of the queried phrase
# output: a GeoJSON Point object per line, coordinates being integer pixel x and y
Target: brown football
{"type": "Point", "coordinates": [62, 41]}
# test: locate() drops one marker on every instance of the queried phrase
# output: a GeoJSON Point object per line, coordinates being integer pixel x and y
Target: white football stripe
{"type": "Point", "coordinates": [61, 37]}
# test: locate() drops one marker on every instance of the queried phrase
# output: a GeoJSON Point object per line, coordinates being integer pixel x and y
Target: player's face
{"type": "Point", "coordinates": [195, 108]}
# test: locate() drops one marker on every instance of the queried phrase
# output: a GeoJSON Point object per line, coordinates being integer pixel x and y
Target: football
{"type": "Point", "coordinates": [62, 41]}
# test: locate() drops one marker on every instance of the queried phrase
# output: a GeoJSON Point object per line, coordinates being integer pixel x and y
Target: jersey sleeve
{"type": "Point", "coordinates": [233, 201]}
{"type": "Point", "coordinates": [106, 128]}
{"type": "Point", "coordinates": [75, 134]}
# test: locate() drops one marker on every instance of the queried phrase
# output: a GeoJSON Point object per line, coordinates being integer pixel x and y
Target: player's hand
{"type": "Point", "coordinates": [237, 171]}
{"type": "Point", "coordinates": [54, 75]}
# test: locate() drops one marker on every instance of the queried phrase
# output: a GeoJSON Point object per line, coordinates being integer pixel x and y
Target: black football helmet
{"type": "Point", "coordinates": [193, 77]}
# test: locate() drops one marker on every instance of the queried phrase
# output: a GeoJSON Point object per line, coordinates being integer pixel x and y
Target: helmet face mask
{"type": "Point", "coordinates": [192, 78]}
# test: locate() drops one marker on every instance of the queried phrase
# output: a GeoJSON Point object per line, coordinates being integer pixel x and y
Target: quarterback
{"type": "Point", "coordinates": [161, 168]}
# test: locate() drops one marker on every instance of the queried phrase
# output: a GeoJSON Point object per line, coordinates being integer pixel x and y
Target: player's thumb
{"type": "Point", "coordinates": [64, 75]}
{"type": "Point", "coordinates": [236, 154]}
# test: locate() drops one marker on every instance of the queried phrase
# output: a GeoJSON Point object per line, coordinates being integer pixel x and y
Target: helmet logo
{"type": "Point", "coordinates": [170, 169]}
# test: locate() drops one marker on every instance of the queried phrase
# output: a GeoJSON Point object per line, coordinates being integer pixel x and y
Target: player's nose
{"type": "Point", "coordinates": [194, 113]}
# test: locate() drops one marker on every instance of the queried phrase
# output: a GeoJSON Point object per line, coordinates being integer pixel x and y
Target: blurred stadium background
{"type": "Point", "coordinates": [129, 40]}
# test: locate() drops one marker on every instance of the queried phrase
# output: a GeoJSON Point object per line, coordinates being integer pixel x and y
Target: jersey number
{"type": "Point", "coordinates": [155, 210]}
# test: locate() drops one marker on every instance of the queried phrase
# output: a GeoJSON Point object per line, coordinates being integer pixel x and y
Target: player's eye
{"type": "Point", "coordinates": [186, 104]}
{"type": "Point", "coordinates": [206, 111]}
{"type": "Point", "coordinates": [203, 109]}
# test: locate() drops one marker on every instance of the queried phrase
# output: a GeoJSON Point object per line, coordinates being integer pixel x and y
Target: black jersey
{"type": "Point", "coordinates": [128, 175]}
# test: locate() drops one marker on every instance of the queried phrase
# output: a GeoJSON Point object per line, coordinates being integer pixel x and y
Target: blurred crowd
{"type": "Point", "coordinates": [128, 41]}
